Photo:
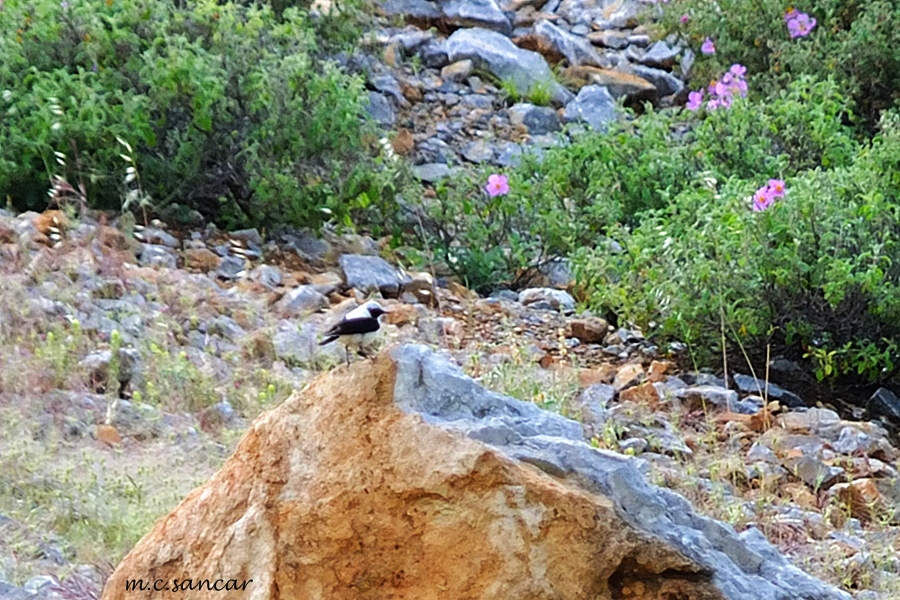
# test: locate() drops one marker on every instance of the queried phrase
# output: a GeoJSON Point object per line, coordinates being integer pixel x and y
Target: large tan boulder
{"type": "Point", "coordinates": [394, 479]}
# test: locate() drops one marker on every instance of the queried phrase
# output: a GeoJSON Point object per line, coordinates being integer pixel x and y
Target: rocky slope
{"type": "Point", "coordinates": [148, 347]}
{"type": "Point", "coordinates": [479, 82]}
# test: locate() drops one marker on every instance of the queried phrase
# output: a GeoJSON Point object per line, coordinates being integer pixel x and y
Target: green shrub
{"type": "Point", "coordinates": [856, 42]}
{"type": "Point", "coordinates": [229, 109]}
{"type": "Point", "coordinates": [816, 274]}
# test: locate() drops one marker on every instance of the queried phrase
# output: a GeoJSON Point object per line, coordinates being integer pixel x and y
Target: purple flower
{"type": "Point", "coordinates": [738, 70]}
{"type": "Point", "coordinates": [776, 188]}
{"type": "Point", "coordinates": [685, 19]}
{"type": "Point", "coordinates": [497, 185]}
{"type": "Point", "coordinates": [761, 199]}
{"type": "Point", "coordinates": [708, 47]}
{"type": "Point", "coordinates": [791, 13]}
{"type": "Point", "coordinates": [695, 100]}
{"type": "Point", "coordinates": [767, 194]}
{"type": "Point", "coordinates": [801, 25]}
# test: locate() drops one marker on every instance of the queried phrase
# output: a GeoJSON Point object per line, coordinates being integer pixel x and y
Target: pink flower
{"type": "Point", "coordinates": [685, 19]}
{"type": "Point", "coordinates": [708, 47]}
{"type": "Point", "coordinates": [776, 188]}
{"type": "Point", "coordinates": [695, 100]}
{"type": "Point", "coordinates": [800, 25]}
{"type": "Point", "coordinates": [767, 194]}
{"type": "Point", "coordinates": [497, 185]}
{"type": "Point", "coordinates": [761, 199]}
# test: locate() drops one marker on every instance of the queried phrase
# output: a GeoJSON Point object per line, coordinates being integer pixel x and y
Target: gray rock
{"type": "Point", "coordinates": [388, 85]}
{"type": "Point", "coordinates": [411, 40]}
{"type": "Point", "coordinates": [302, 300]}
{"type": "Point", "coordinates": [508, 154]}
{"type": "Point", "coordinates": [267, 275]}
{"type": "Point", "coordinates": [478, 152]}
{"type": "Point", "coordinates": [225, 327]}
{"type": "Point", "coordinates": [380, 109]}
{"type": "Point", "coordinates": [476, 13]}
{"type": "Point", "coordinates": [490, 50]}
{"type": "Point", "coordinates": [751, 385]}
{"type": "Point", "coordinates": [709, 394]}
{"type": "Point", "coordinates": [577, 50]}
{"type": "Point", "coordinates": [434, 54]}
{"type": "Point", "coordinates": [432, 172]}
{"type": "Point", "coordinates": [300, 346]}
{"type": "Point", "coordinates": [370, 274]}
{"type": "Point", "coordinates": [743, 567]}
{"type": "Point", "coordinates": [478, 101]}
{"type": "Point", "coordinates": [594, 105]}
{"type": "Point", "coordinates": [231, 267]}
{"type": "Point", "coordinates": [884, 404]}
{"type": "Point", "coordinates": [154, 255]}
{"type": "Point", "coordinates": [537, 119]}
{"type": "Point", "coordinates": [420, 10]}
{"type": "Point", "coordinates": [152, 235]}
{"type": "Point", "coordinates": [98, 361]}
{"type": "Point", "coordinates": [556, 299]}
{"type": "Point", "coordinates": [251, 236]}
{"type": "Point", "coordinates": [660, 55]}
{"type": "Point", "coordinates": [136, 419]}
{"type": "Point", "coordinates": [458, 71]}
{"type": "Point", "coordinates": [666, 83]}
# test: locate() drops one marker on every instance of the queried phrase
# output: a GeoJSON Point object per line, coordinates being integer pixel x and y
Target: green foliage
{"type": "Point", "coordinates": [856, 42]}
{"type": "Point", "coordinates": [816, 274]}
{"type": "Point", "coordinates": [229, 109]}
{"type": "Point", "coordinates": [801, 127]}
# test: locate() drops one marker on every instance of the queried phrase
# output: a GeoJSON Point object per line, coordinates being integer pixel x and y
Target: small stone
{"type": "Point", "coordinates": [633, 445]}
{"type": "Point", "coordinates": [302, 300]}
{"type": "Point", "coordinates": [555, 299]}
{"type": "Point", "coordinates": [884, 404]}
{"type": "Point", "coordinates": [660, 55]}
{"type": "Point", "coordinates": [628, 375]}
{"type": "Point", "coordinates": [326, 283]}
{"type": "Point", "coordinates": [370, 274]}
{"type": "Point", "coordinates": [594, 105]}
{"type": "Point", "coordinates": [478, 152]}
{"type": "Point", "coordinates": [231, 267]}
{"type": "Point", "coordinates": [645, 393]}
{"type": "Point", "coordinates": [152, 255]}
{"type": "Point", "coordinates": [201, 259]}
{"type": "Point", "coordinates": [609, 38]}
{"type": "Point", "coordinates": [590, 330]}
{"type": "Point", "coordinates": [421, 286]}
{"type": "Point", "coordinates": [538, 120]}
{"type": "Point", "coordinates": [152, 235]}
{"type": "Point", "coordinates": [657, 371]}
{"type": "Point", "coordinates": [380, 109]}
{"type": "Point", "coordinates": [700, 396]}
{"type": "Point", "coordinates": [432, 172]}
{"type": "Point", "coordinates": [403, 143]}
{"type": "Point", "coordinates": [108, 435]}
{"type": "Point", "coordinates": [458, 71]}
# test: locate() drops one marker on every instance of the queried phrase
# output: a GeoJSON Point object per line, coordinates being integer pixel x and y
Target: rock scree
{"type": "Point", "coordinates": [400, 477]}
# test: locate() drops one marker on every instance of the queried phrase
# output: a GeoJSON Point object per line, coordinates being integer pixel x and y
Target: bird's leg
{"type": "Point", "coordinates": [347, 354]}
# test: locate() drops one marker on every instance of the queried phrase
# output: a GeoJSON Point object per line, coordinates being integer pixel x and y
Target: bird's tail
{"type": "Point", "coordinates": [328, 340]}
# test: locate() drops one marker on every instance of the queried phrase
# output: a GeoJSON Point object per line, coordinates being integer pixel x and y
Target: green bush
{"type": "Point", "coordinates": [856, 42]}
{"type": "Point", "coordinates": [229, 109]}
{"type": "Point", "coordinates": [816, 274]}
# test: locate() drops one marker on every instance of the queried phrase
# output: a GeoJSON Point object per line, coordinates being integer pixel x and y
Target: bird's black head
{"type": "Point", "coordinates": [376, 311]}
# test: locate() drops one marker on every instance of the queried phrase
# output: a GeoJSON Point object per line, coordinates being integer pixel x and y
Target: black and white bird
{"type": "Point", "coordinates": [358, 329]}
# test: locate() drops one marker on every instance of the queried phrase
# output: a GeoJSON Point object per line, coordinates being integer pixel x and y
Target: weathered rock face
{"type": "Point", "coordinates": [402, 478]}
